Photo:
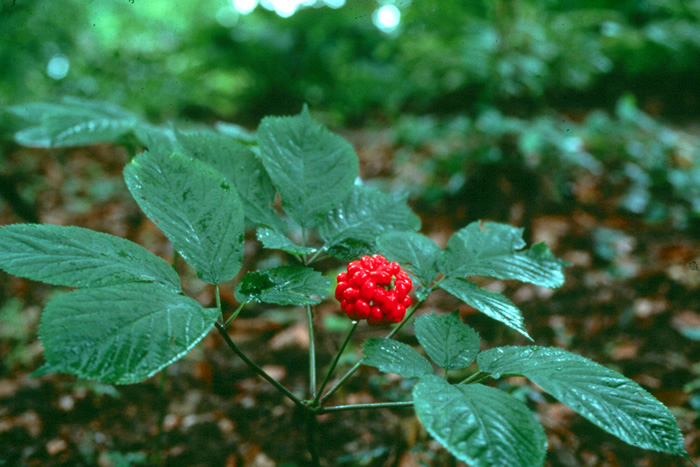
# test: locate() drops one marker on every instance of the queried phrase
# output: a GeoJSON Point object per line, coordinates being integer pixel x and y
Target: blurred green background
{"type": "Point", "coordinates": [532, 88]}
{"type": "Point", "coordinates": [357, 60]}
{"type": "Point", "coordinates": [576, 120]}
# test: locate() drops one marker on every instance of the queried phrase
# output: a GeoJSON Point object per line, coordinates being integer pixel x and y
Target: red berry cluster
{"type": "Point", "coordinates": [374, 289]}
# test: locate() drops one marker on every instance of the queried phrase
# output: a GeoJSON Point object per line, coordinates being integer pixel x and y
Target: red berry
{"type": "Point", "coordinates": [379, 260]}
{"type": "Point", "coordinates": [382, 277]}
{"type": "Point", "coordinates": [362, 309]}
{"type": "Point", "coordinates": [389, 308]}
{"type": "Point", "coordinates": [375, 316]}
{"type": "Point", "coordinates": [379, 296]}
{"type": "Point", "coordinates": [342, 286]}
{"type": "Point", "coordinates": [352, 314]}
{"type": "Point", "coordinates": [401, 288]}
{"type": "Point", "coordinates": [367, 289]}
{"type": "Point", "coordinates": [359, 278]}
{"type": "Point", "coordinates": [393, 268]}
{"type": "Point", "coordinates": [367, 262]}
{"type": "Point", "coordinates": [374, 289]}
{"type": "Point", "coordinates": [351, 294]}
{"type": "Point", "coordinates": [353, 268]}
{"type": "Point", "coordinates": [398, 314]}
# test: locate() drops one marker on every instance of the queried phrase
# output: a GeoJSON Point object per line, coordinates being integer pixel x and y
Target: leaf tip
{"type": "Point", "coordinates": [46, 369]}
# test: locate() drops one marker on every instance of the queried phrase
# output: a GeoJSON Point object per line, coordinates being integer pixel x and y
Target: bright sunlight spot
{"type": "Point", "coordinates": [286, 8]}
{"type": "Point", "coordinates": [334, 3]}
{"type": "Point", "coordinates": [244, 6]}
{"type": "Point", "coordinates": [386, 18]}
{"type": "Point", "coordinates": [227, 16]}
{"type": "Point", "coordinates": [58, 66]}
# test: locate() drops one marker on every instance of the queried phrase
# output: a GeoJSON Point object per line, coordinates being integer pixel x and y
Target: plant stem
{"type": "Point", "coordinates": [311, 421]}
{"type": "Point", "coordinates": [342, 380]}
{"type": "Point", "coordinates": [234, 315]}
{"type": "Point", "coordinates": [329, 373]}
{"type": "Point", "coordinates": [159, 457]}
{"type": "Point", "coordinates": [312, 352]}
{"type": "Point", "coordinates": [218, 301]}
{"type": "Point", "coordinates": [357, 365]}
{"type": "Point", "coordinates": [315, 255]}
{"type": "Point", "coordinates": [222, 330]}
{"type": "Point", "coordinates": [311, 438]}
{"type": "Point", "coordinates": [377, 405]}
{"type": "Point", "coordinates": [475, 378]}
{"type": "Point", "coordinates": [310, 327]}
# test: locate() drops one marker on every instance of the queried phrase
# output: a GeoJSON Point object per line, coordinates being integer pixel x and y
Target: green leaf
{"type": "Point", "coordinates": [73, 122]}
{"type": "Point", "coordinates": [157, 139]}
{"type": "Point", "coordinates": [120, 333]}
{"type": "Point", "coordinates": [195, 206]}
{"type": "Point", "coordinates": [236, 132]}
{"type": "Point", "coordinates": [33, 137]}
{"type": "Point", "coordinates": [241, 167]}
{"type": "Point", "coordinates": [257, 192]}
{"type": "Point", "coordinates": [415, 251]}
{"type": "Point", "coordinates": [395, 357]}
{"type": "Point", "coordinates": [284, 285]}
{"type": "Point", "coordinates": [219, 151]}
{"type": "Point", "coordinates": [492, 304]}
{"type": "Point", "coordinates": [78, 257]}
{"type": "Point", "coordinates": [615, 403]}
{"type": "Point", "coordinates": [236, 162]}
{"type": "Point", "coordinates": [472, 251]}
{"type": "Point", "coordinates": [312, 168]}
{"type": "Point", "coordinates": [422, 293]}
{"type": "Point", "coordinates": [364, 215]}
{"type": "Point", "coordinates": [350, 249]}
{"type": "Point", "coordinates": [275, 240]}
{"type": "Point", "coordinates": [479, 425]}
{"type": "Point", "coordinates": [33, 112]}
{"type": "Point", "coordinates": [447, 340]}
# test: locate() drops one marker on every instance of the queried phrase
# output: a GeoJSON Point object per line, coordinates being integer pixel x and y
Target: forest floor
{"type": "Point", "coordinates": [630, 302]}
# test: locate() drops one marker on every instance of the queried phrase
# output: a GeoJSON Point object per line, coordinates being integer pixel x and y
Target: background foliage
{"type": "Point", "coordinates": [574, 120]}
{"type": "Point", "coordinates": [206, 59]}
{"type": "Point", "coordinates": [531, 87]}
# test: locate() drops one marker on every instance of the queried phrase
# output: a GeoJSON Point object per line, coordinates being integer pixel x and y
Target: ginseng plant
{"type": "Point", "coordinates": [128, 318]}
